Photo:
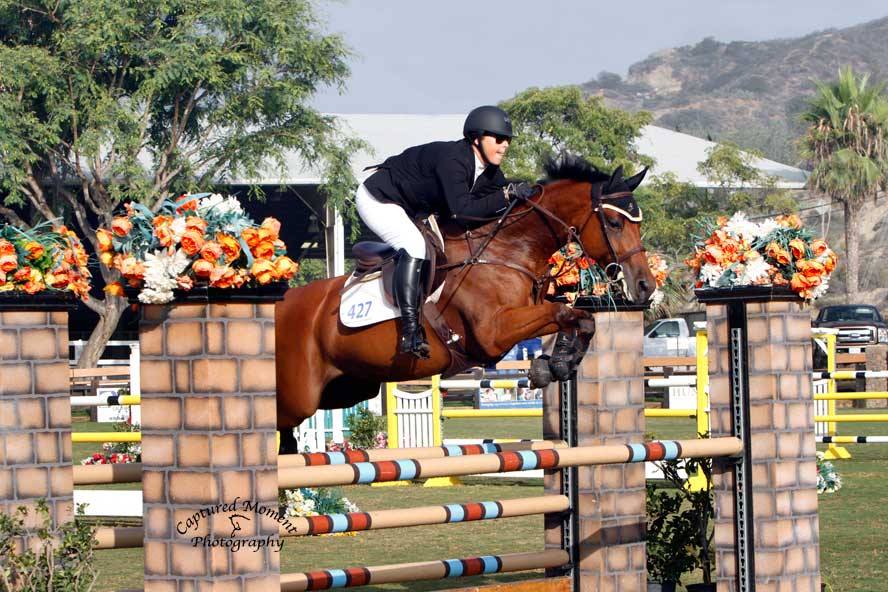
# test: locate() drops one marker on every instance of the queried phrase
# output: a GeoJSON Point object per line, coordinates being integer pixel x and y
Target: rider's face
{"type": "Point", "coordinates": [494, 147]}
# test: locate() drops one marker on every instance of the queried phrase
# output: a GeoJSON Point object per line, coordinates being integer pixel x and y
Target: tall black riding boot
{"type": "Point", "coordinates": [409, 296]}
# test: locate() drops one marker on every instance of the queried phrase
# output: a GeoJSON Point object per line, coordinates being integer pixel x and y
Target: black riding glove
{"type": "Point", "coordinates": [521, 190]}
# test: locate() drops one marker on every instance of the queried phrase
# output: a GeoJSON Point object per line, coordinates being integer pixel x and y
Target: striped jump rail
{"type": "Point", "coordinates": [106, 474]}
{"type": "Point", "coordinates": [852, 439]}
{"type": "Point", "coordinates": [132, 536]}
{"type": "Point", "coordinates": [95, 401]}
{"type": "Point", "coordinates": [328, 579]}
{"type": "Point", "coordinates": [401, 470]}
{"type": "Point", "coordinates": [316, 459]}
{"type": "Point", "coordinates": [850, 374]}
{"type": "Point", "coordinates": [446, 514]}
{"type": "Point", "coordinates": [81, 437]}
{"type": "Point", "coordinates": [486, 383]}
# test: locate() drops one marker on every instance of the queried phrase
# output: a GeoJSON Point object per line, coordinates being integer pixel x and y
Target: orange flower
{"type": "Point", "coordinates": [103, 238]}
{"type": "Point", "coordinates": [132, 268]}
{"type": "Point", "coordinates": [114, 289]}
{"type": "Point", "coordinates": [121, 226]}
{"type": "Point", "coordinates": [35, 250]}
{"type": "Point", "coordinates": [196, 223]}
{"type": "Point", "coordinates": [829, 263]}
{"type": "Point", "coordinates": [188, 206]}
{"type": "Point", "coordinates": [272, 226]}
{"type": "Point", "coordinates": [797, 248]}
{"type": "Point", "coordinates": [571, 278]}
{"type": "Point", "coordinates": [222, 276]}
{"type": "Point", "coordinates": [250, 236]}
{"type": "Point", "coordinates": [57, 281]}
{"type": "Point", "coordinates": [185, 282]}
{"type": "Point", "coordinates": [775, 252]}
{"type": "Point", "coordinates": [22, 274]}
{"type": "Point", "coordinates": [8, 263]}
{"type": "Point", "coordinates": [285, 268]}
{"type": "Point", "coordinates": [163, 230]}
{"type": "Point", "coordinates": [6, 248]}
{"type": "Point", "coordinates": [819, 247]}
{"type": "Point", "coordinates": [106, 258]}
{"type": "Point", "coordinates": [713, 254]}
{"type": "Point", "coordinates": [202, 268]}
{"type": "Point", "coordinates": [229, 245]}
{"type": "Point", "coordinates": [264, 250]}
{"type": "Point", "coordinates": [263, 270]}
{"type": "Point", "coordinates": [192, 241]}
{"type": "Point", "coordinates": [211, 251]}
{"type": "Point", "coordinates": [32, 287]}
{"type": "Point", "coordinates": [811, 269]}
{"type": "Point", "coordinates": [790, 221]}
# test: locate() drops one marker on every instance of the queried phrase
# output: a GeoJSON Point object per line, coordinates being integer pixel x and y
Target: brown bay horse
{"type": "Point", "coordinates": [491, 301]}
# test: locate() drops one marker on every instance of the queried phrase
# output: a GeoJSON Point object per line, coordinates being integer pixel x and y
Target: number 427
{"type": "Point", "coordinates": [359, 310]}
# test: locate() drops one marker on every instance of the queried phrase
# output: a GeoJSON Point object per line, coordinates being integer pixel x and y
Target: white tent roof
{"type": "Point", "coordinates": [389, 134]}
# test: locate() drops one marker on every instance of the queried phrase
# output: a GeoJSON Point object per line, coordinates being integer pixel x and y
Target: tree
{"type": "Point", "coordinates": [103, 101]}
{"type": "Point", "coordinates": [846, 145]}
{"type": "Point", "coordinates": [551, 120]}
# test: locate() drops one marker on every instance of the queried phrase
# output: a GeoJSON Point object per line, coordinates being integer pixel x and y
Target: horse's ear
{"type": "Point", "coordinates": [617, 175]}
{"type": "Point", "coordinates": [635, 180]}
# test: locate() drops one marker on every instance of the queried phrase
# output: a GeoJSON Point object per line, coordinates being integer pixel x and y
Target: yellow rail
{"type": "Point", "coordinates": [850, 396]}
{"type": "Point", "coordinates": [670, 413]}
{"type": "Point", "coordinates": [82, 437]}
{"type": "Point", "coordinates": [854, 418]}
{"type": "Point", "coordinates": [478, 413]}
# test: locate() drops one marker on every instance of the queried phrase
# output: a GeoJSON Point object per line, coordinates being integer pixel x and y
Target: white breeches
{"type": "Point", "coordinates": [390, 222]}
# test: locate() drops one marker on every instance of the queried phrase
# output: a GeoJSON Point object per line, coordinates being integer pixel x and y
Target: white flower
{"type": "Point", "coordinates": [657, 297]}
{"type": "Point", "coordinates": [756, 269]}
{"type": "Point", "coordinates": [741, 228]}
{"type": "Point", "coordinates": [820, 290]}
{"type": "Point", "coordinates": [161, 271]}
{"type": "Point", "coordinates": [767, 226]}
{"type": "Point", "coordinates": [219, 205]}
{"type": "Point", "coordinates": [177, 229]}
{"type": "Point", "coordinates": [710, 274]}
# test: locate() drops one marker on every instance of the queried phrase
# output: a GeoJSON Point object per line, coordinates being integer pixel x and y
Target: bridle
{"type": "Point", "coordinates": [613, 270]}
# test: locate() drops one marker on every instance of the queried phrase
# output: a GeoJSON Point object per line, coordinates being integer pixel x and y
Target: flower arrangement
{"type": "Point", "coordinates": [199, 239]}
{"type": "Point", "coordinates": [828, 479]}
{"type": "Point", "coordinates": [575, 275]}
{"type": "Point", "coordinates": [43, 259]}
{"type": "Point", "coordinates": [109, 458]}
{"type": "Point", "coordinates": [774, 252]}
{"type": "Point", "coordinates": [314, 502]}
{"type": "Point", "coordinates": [117, 452]}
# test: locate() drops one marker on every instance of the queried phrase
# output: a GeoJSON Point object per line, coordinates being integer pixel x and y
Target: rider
{"type": "Point", "coordinates": [451, 179]}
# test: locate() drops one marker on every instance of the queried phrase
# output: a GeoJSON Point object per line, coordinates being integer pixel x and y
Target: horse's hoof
{"type": "Point", "coordinates": [539, 374]}
{"type": "Point", "coordinates": [561, 368]}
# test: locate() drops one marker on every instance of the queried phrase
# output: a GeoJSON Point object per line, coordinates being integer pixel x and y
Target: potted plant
{"type": "Point", "coordinates": [670, 539]}
{"type": "Point", "coordinates": [682, 536]}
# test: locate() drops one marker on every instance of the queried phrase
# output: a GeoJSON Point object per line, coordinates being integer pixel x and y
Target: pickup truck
{"type": "Point", "coordinates": [669, 337]}
{"type": "Point", "coordinates": [859, 325]}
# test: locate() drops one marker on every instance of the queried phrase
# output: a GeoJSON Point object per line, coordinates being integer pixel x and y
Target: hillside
{"type": "Point", "coordinates": [749, 92]}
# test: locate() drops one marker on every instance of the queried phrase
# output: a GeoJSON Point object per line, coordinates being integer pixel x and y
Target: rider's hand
{"type": "Point", "coordinates": [521, 190]}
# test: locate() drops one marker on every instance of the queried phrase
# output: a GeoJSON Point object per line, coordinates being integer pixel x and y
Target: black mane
{"type": "Point", "coordinates": [574, 168]}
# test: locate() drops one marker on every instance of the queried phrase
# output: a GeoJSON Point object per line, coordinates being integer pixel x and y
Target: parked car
{"type": "Point", "coordinates": [859, 325]}
{"type": "Point", "coordinates": [669, 337]}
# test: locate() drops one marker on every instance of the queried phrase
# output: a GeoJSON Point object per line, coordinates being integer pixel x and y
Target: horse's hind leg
{"type": "Point", "coordinates": [289, 444]}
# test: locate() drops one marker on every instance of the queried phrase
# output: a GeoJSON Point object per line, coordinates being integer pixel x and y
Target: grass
{"type": "Point", "coordinates": [852, 521]}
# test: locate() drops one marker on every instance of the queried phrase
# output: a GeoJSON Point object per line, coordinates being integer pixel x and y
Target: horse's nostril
{"type": "Point", "coordinates": [643, 286]}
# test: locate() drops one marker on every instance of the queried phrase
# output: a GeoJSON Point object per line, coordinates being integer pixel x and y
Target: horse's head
{"type": "Point", "coordinates": [607, 220]}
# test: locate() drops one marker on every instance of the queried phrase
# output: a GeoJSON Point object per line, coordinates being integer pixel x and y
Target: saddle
{"type": "Point", "coordinates": [376, 257]}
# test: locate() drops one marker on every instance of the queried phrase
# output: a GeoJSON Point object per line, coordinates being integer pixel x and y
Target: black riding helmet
{"type": "Point", "coordinates": [487, 120]}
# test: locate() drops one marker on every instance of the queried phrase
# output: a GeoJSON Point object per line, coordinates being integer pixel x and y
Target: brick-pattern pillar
{"type": "Point", "coordinates": [780, 445]}
{"type": "Point", "coordinates": [610, 410]}
{"type": "Point", "coordinates": [35, 411]}
{"type": "Point", "coordinates": [208, 446]}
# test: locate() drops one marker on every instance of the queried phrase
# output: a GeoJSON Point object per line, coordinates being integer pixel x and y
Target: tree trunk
{"type": "Point", "coordinates": [94, 347]}
{"type": "Point", "coordinates": [852, 253]}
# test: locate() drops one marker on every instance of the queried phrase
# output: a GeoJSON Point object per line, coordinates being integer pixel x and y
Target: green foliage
{"type": "Point", "coordinates": [364, 425]}
{"type": "Point", "coordinates": [679, 538]}
{"type": "Point", "coordinates": [847, 137]}
{"type": "Point", "coordinates": [63, 559]}
{"type": "Point", "coordinates": [551, 120]}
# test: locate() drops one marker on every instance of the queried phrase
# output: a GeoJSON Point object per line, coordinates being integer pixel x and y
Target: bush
{"type": "Point", "coordinates": [364, 426]}
{"type": "Point", "coordinates": [64, 565]}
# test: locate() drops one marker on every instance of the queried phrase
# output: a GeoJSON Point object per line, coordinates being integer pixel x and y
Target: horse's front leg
{"type": "Point", "coordinates": [515, 324]}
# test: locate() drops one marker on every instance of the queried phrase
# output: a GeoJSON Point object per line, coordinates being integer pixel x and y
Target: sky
{"type": "Point", "coordinates": [434, 56]}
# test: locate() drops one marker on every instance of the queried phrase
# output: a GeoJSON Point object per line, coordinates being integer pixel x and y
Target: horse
{"type": "Point", "coordinates": [493, 295]}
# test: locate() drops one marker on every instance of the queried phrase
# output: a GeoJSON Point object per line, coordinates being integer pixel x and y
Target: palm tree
{"type": "Point", "coordinates": [847, 144]}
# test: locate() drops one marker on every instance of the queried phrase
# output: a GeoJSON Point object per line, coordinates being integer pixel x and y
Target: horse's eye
{"type": "Point", "coordinates": [616, 223]}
